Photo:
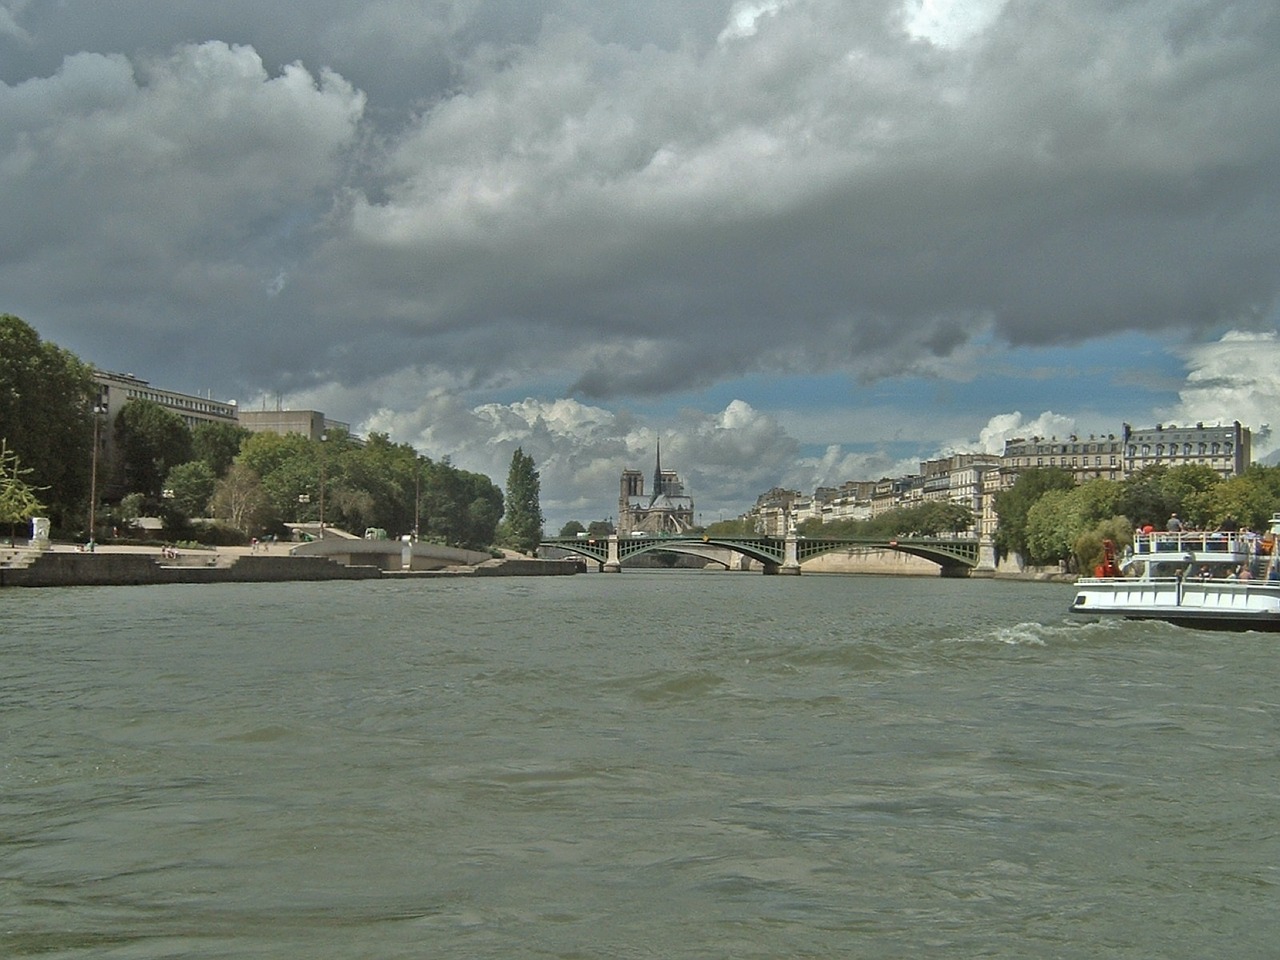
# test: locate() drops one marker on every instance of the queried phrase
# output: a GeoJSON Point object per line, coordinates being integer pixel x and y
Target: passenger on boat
{"type": "Point", "coordinates": [1174, 525]}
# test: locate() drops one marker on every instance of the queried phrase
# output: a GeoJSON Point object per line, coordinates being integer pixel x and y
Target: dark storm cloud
{"type": "Point", "coordinates": [826, 191]}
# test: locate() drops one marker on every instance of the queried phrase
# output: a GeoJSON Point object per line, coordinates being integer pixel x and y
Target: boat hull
{"type": "Point", "coordinates": [1207, 605]}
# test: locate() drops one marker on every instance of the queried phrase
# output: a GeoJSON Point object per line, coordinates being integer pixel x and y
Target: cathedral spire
{"type": "Point", "coordinates": [657, 471]}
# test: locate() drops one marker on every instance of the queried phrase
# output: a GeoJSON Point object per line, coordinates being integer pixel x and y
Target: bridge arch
{"type": "Point", "coordinates": [955, 556]}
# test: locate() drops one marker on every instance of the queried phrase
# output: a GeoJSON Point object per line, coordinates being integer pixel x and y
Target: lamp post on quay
{"type": "Point", "coordinates": [98, 410]}
{"type": "Point", "coordinates": [323, 438]}
{"type": "Point", "coordinates": [417, 495]}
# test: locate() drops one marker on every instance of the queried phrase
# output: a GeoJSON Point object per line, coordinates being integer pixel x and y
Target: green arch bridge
{"type": "Point", "coordinates": [957, 557]}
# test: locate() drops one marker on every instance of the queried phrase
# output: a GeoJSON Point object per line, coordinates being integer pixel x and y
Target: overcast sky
{"type": "Point", "coordinates": [799, 241]}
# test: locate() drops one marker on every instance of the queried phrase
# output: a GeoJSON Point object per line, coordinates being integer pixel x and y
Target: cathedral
{"type": "Point", "coordinates": [665, 510]}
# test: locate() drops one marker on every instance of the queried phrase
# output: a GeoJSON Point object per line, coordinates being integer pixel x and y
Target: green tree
{"type": "Point", "coordinates": [1013, 505]}
{"type": "Point", "coordinates": [218, 445]}
{"type": "Point", "coordinates": [135, 505]}
{"type": "Point", "coordinates": [191, 484]}
{"type": "Point", "coordinates": [572, 529]}
{"type": "Point", "coordinates": [523, 524]}
{"type": "Point", "coordinates": [288, 468]}
{"type": "Point", "coordinates": [600, 529]}
{"type": "Point", "coordinates": [467, 507]}
{"type": "Point", "coordinates": [1068, 525]}
{"type": "Point", "coordinates": [239, 498]}
{"type": "Point", "coordinates": [484, 513]}
{"type": "Point", "coordinates": [1246, 499]}
{"type": "Point", "coordinates": [944, 516]}
{"type": "Point", "coordinates": [18, 500]}
{"type": "Point", "coordinates": [737, 527]}
{"type": "Point", "coordinates": [46, 404]}
{"type": "Point", "coordinates": [152, 441]}
{"type": "Point", "coordinates": [1051, 528]}
{"type": "Point", "coordinates": [1088, 546]}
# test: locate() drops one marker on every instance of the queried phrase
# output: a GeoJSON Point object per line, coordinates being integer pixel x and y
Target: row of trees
{"type": "Point", "coordinates": [930, 519]}
{"type": "Point", "coordinates": [1047, 518]}
{"type": "Point", "coordinates": [256, 483]}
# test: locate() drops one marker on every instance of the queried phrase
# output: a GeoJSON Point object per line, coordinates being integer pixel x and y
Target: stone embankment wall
{"type": "Point", "coordinates": [60, 569]}
{"type": "Point", "coordinates": [893, 563]}
{"type": "Point", "coordinates": [119, 569]}
{"type": "Point", "coordinates": [886, 562]}
{"type": "Point", "coordinates": [513, 567]}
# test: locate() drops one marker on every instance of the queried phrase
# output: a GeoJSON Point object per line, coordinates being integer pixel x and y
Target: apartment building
{"type": "Point", "coordinates": [1085, 458]}
{"type": "Point", "coordinates": [849, 501]}
{"type": "Point", "coordinates": [1227, 449]}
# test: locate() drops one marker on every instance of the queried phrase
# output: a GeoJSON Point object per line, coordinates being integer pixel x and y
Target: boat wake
{"type": "Point", "coordinates": [1034, 634]}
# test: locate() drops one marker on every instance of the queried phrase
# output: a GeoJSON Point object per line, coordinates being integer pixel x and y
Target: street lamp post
{"type": "Point", "coordinates": [323, 438]}
{"type": "Point", "coordinates": [417, 495]}
{"type": "Point", "coordinates": [98, 410]}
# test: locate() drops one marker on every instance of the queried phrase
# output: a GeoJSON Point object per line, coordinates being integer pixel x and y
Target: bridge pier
{"type": "Point", "coordinates": [986, 558]}
{"type": "Point", "coordinates": [791, 556]}
{"type": "Point", "coordinates": [781, 570]}
{"type": "Point", "coordinates": [613, 563]}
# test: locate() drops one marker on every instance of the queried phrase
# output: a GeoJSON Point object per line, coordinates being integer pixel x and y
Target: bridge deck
{"type": "Point", "coordinates": [775, 552]}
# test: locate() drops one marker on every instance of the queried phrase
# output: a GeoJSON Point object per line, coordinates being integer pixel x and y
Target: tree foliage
{"type": "Point", "coordinates": [600, 529]}
{"type": "Point", "coordinates": [929, 519]}
{"type": "Point", "coordinates": [218, 445]}
{"type": "Point", "coordinates": [1063, 524]}
{"type": "Point", "coordinates": [191, 485]}
{"type": "Point", "coordinates": [523, 524]}
{"type": "Point", "coordinates": [737, 527]}
{"type": "Point", "coordinates": [1071, 524]}
{"type": "Point", "coordinates": [1249, 500]}
{"type": "Point", "coordinates": [18, 500]}
{"type": "Point", "coordinates": [1154, 493]}
{"type": "Point", "coordinates": [46, 403]}
{"type": "Point", "coordinates": [239, 499]}
{"type": "Point", "coordinates": [151, 441]}
{"type": "Point", "coordinates": [377, 484]}
{"type": "Point", "coordinates": [1013, 505]}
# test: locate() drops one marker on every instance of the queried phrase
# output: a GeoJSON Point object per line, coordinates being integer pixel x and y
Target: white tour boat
{"type": "Point", "coordinates": [1223, 580]}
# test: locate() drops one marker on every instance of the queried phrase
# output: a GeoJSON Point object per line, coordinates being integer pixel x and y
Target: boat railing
{"type": "Point", "coordinates": [1196, 541]}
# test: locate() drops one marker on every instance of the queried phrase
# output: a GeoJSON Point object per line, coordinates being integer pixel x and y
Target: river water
{"type": "Point", "coordinates": [651, 764]}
